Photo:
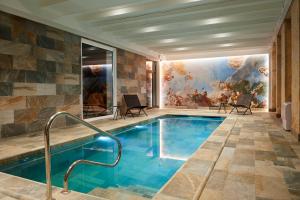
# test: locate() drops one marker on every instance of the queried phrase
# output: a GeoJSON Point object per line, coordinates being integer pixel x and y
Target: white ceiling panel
{"type": "Point", "coordinates": [173, 28]}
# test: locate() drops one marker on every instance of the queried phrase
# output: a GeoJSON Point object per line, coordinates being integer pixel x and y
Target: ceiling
{"type": "Point", "coordinates": [174, 29]}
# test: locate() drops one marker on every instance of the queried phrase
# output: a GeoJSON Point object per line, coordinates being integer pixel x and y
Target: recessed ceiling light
{"type": "Point", "coordinates": [226, 45]}
{"type": "Point", "coordinates": [221, 35]}
{"type": "Point", "coordinates": [190, 1]}
{"type": "Point", "coordinates": [181, 49]}
{"type": "Point", "coordinates": [119, 11]}
{"type": "Point", "coordinates": [168, 40]}
{"type": "Point", "coordinates": [150, 29]}
{"type": "Point", "coordinates": [210, 21]}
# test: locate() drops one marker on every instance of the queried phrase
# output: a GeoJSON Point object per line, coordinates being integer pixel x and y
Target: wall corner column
{"type": "Point", "coordinates": [278, 76]}
{"type": "Point", "coordinates": [286, 59]}
{"type": "Point", "coordinates": [272, 79]}
{"type": "Point", "coordinates": [295, 28]}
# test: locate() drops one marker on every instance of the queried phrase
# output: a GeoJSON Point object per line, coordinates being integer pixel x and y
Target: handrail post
{"type": "Point", "coordinates": [48, 157]}
{"type": "Point", "coordinates": [48, 167]}
{"type": "Point", "coordinates": [48, 152]}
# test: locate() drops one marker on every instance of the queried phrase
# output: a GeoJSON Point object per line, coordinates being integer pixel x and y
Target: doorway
{"type": "Point", "coordinates": [151, 83]}
{"type": "Point", "coordinates": [98, 79]}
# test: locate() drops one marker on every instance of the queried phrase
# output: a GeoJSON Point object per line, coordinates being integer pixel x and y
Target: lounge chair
{"type": "Point", "coordinates": [243, 101]}
{"type": "Point", "coordinates": [133, 103]}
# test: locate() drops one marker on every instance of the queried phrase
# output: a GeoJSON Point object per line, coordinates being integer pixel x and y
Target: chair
{"type": "Point", "coordinates": [133, 103]}
{"type": "Point", "coordinates": [243, 101]}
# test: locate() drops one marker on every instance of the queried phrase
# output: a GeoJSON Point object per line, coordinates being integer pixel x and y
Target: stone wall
{"type": "Point", "coordinates": [39, 74]}
{"type": "Point", "coordinates": [131, 75]}
{"type": "Point", "coordinates": [287, 67]}
{"type": "Point", "coordinates": [295, 82]}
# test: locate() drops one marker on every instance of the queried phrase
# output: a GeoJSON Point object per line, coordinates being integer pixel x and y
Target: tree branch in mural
{"type": "Point", "coordinates": [204, 82]}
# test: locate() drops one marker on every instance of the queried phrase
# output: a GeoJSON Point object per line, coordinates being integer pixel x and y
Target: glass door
{"type": "Point", "coordinates": [151, 83]}
{"type": "Point", "coordinates": [97, 79]}
{"type": "Point", "coordinates": [154, 84]}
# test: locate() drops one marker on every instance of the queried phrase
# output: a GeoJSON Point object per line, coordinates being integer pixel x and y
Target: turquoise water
{"type": "Point", "coordinates": [152, 152]}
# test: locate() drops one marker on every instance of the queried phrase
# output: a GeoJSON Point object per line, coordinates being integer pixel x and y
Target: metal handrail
{"type": "Point", "coordinates": [72, 166]}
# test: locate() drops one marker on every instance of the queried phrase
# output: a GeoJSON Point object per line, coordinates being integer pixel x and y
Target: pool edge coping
{"type": "Point", "coordinates": [165, 194]}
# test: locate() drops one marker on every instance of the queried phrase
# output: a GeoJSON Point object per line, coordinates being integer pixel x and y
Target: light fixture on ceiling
{"type": "Point", "coordinates": [226, 45]}
{"type": "Point", "coordinates": [119, 11]}
{"type": "Point", "coordinates": [150, 29]}
{"type": "Point", "coordinates": [181, 49]}
{"type": "Point", "coordinates": [221, 35]}
{"type": "Point", "coordinates": [190, 1]}
{"type": "Point", "coordinates": [170, 40]}
{"type": "Point", "coordinates": [216, 20]}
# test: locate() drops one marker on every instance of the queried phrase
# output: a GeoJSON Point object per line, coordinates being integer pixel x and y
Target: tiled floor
{"type": "Point", "coordinates": [258, 160]}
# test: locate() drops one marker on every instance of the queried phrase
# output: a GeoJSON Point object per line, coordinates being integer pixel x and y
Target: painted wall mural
{"type": "Point", "coordinates": [204, 82]}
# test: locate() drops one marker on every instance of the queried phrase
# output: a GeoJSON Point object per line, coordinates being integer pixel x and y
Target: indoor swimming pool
{"type": "Point", "coordinates": [152, 152]}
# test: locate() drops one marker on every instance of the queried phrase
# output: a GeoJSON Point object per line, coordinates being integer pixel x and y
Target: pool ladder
{"type": "Point", "coordinates": [74, 164]}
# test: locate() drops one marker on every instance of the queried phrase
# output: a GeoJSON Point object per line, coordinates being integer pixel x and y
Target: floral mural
{"type": "Point", "coordinates": [206, 82]}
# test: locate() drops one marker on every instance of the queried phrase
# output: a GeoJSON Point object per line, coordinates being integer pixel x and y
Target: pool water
{"type": "Point", "coordinates": [152, 152]}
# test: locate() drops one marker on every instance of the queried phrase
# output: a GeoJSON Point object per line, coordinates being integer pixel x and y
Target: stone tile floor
{"type": "Point", "coordinates": [258, 160]}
